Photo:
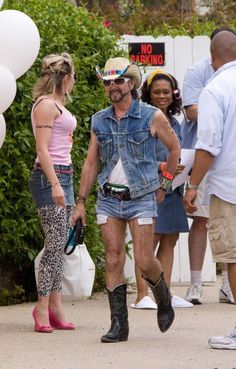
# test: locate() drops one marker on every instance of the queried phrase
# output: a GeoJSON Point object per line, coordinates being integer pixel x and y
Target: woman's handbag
{"type": "Point", "coordinates": [78, 266]}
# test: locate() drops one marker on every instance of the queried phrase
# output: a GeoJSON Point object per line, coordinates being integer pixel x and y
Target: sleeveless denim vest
{"type": "Point", "coordinates": [131, 140]}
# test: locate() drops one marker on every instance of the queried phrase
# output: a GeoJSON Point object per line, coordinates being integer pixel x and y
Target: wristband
{"type": "Point", "coordinates": [80, 199]}
{"type": "Point", "coordinates": [190, 186]}
{"type": "Point", "coordinates": [168, 175]}
{"type": "Point", "coordinates": [165, 183]}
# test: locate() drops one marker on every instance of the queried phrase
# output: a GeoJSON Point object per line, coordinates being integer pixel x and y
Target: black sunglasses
{"type": "Point", "coordinates": [117, 82]}
{"type": "Point", "coordinates": [75, 77]}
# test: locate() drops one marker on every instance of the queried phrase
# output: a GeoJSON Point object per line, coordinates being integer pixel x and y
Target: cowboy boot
{"type": "Point", "coordinates": [119, 329]}
{"type": "Point", "coordinates": [165, 312]}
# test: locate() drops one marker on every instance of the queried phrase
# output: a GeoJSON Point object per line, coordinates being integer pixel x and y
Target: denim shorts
{"type": "Point", "coordinates": [41, 188]}
{"type": "Point", "coordinates": [140, 207]}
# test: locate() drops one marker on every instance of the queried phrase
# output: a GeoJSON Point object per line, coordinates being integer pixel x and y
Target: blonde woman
{"type": "Point", "coordinates": [51, 183]}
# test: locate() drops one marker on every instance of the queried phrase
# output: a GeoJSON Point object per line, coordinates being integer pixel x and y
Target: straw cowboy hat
{"type": "Point", "coordinates": [119, 67]}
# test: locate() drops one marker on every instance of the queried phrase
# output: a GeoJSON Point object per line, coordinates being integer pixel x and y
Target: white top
{"type": "Point", "coordinates": [118, 175]}
{"type": "Point", "coordinates": [195, 79]}
{"type": "Point", "coordinates": [217, 107]}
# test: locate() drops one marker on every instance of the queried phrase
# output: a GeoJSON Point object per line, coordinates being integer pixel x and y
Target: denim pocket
{"type": "Point", "coordinates": [105, 147]}
{"type": "Point", "coordinates": [45, 183]}
{"type": "Point", "coordinates": [64, 179]}
{"type": "Point", "coordinates": [137, 144]}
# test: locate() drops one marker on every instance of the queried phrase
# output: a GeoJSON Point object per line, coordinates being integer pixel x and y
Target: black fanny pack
{"type": "Point", "coordinates": [121, 195]}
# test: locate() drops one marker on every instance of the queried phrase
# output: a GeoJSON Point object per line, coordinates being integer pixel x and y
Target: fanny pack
{"type": "Point", "coordinates": [122, 193]}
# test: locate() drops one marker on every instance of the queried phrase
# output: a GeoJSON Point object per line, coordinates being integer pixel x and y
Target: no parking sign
{"type": "Point", "coordinates": [148, 53]}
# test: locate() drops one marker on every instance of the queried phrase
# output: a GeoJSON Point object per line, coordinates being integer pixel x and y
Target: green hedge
{"type": "Point", "coordinates": [166, 19]}
{"type": "Point", "coordinates": [62, 27]}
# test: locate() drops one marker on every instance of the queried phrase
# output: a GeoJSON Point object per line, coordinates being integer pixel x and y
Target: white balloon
{"type": "Point", "coordinates": [1, 3]}
{"type": "Point", "coordinates": [19, 41]}
{"type": "Point", "coordinates": [7, 88]}
{"type": "Point", "coordinates": [2, 130]}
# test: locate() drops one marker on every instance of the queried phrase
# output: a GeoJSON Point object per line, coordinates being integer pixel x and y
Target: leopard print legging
{"type": "Point", "coordinates": [55, 222]}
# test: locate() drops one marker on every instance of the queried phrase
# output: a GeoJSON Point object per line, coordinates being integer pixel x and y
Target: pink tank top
{"type": "Point", "coordinates": [62, 135]}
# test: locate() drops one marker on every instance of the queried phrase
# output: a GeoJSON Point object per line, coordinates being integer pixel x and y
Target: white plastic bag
{"type": "Point", "coordinates": [78, 272]}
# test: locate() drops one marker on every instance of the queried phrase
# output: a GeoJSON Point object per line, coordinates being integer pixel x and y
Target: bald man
{"type": "Point", "coordinates": [216, 154]}
{"type": "Point", "coordinates": [196, 78]}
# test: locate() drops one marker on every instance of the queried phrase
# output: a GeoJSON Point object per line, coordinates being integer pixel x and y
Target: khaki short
{"type": "Point", "coordinates": [202, 210]}
{"type": "Point", "coordinates": [222, 230]}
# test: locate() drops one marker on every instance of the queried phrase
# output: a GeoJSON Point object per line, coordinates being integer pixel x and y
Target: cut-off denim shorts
{"type": "Point", "coordinates": [41, 188]}
{"type": "Point", "coordinates": [140, 207]}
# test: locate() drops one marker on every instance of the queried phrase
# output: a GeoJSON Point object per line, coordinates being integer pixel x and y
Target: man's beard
{"type": "Point", "coordinates": [118, 96]}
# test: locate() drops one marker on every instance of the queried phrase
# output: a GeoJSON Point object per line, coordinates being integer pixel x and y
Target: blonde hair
{"type": "Point", "coordinates": [54, 69]}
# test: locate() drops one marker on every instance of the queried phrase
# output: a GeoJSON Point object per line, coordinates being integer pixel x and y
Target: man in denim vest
{"type": "Point", "coordinates": [123, 142]}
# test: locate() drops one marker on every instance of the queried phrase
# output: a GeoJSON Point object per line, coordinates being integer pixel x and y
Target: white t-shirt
{"type": "Point", "coordinates": [118, 175]}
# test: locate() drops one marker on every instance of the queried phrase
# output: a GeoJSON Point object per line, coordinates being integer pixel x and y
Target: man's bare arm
{"type": "Point", "coordinates": [90, 167]}
{"type": "Point", "coordinates": [203, 162]}
{"type": "Point", "coordinates": [162, 128]}
{"type": "Point", "coordinates": [191, 112]}
{"type": "Point", "coordinates": [87, 179]}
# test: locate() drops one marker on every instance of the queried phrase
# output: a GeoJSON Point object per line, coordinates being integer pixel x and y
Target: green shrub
{"type": "Point", "coordinates": [62, 27]}
{"type": "Point", "coordinates": [166, 18]}
{"type": "Point", "coordinates": [15, 296]}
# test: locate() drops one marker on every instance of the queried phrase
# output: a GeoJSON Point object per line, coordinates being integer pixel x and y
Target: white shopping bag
{"type": "Point", "coordinates": [78, 272]}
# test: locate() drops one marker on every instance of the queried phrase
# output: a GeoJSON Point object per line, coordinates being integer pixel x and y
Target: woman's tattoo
{"type": "Point", "coordinates": [44, 126]}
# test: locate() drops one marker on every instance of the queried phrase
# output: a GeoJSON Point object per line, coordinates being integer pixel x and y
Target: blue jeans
{"type": "Point", "coordinates": [140, 207]}
{"type": "Point", "coordinates": [41, 188]}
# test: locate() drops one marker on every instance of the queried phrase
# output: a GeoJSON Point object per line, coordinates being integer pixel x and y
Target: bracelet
{"type": "Point", "coordinates": [190, 186]}
{"type": "Point", "coordinates": [80, 199]}
{"type": "Point", "coordinates": [54, 184]}
{"type": "Point", "coordinates": [168, 175]}
{"type": "Point", "coordinates": [165, 183]}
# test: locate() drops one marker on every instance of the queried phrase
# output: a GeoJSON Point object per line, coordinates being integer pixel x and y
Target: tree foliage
{"type": "Point", "coordinates": [165, 18]}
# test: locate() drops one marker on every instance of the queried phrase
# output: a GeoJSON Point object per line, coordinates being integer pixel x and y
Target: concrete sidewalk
{"type": "Point", "coordinates": [183, 346]}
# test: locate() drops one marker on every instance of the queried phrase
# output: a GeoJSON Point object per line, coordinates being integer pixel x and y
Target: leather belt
{"type": "Point", "coordinates": [123, 195]}
{"type": "Point", "coordinates": [37, 166]}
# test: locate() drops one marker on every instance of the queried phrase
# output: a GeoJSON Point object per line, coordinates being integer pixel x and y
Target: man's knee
{"type": "Point", "coordinates": [115, 258]}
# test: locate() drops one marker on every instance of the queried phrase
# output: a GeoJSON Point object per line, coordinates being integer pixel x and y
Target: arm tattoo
{"type": "Point", "coordinates": [44, 126]}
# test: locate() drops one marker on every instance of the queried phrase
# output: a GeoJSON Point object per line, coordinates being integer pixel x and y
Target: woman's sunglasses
{"type": "Point", "coordinates": [75, 77]}
{"type": "Point", "coordinates": [117, 82]}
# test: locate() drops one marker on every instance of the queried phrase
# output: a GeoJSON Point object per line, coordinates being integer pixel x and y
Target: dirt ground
{"type": "Point", "coordinates": [183, 346]}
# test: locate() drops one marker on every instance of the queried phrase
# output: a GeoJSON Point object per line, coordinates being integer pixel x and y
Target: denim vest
{"type": "Point", "coordinates": [131, 140]}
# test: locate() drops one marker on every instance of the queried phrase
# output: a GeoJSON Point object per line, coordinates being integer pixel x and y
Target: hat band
{"type": "Point", "coordinates": [114, 72]}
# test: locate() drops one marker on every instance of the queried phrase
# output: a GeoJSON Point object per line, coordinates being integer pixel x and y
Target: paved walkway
{"type": "Point", "coordinates": [183, 346]}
